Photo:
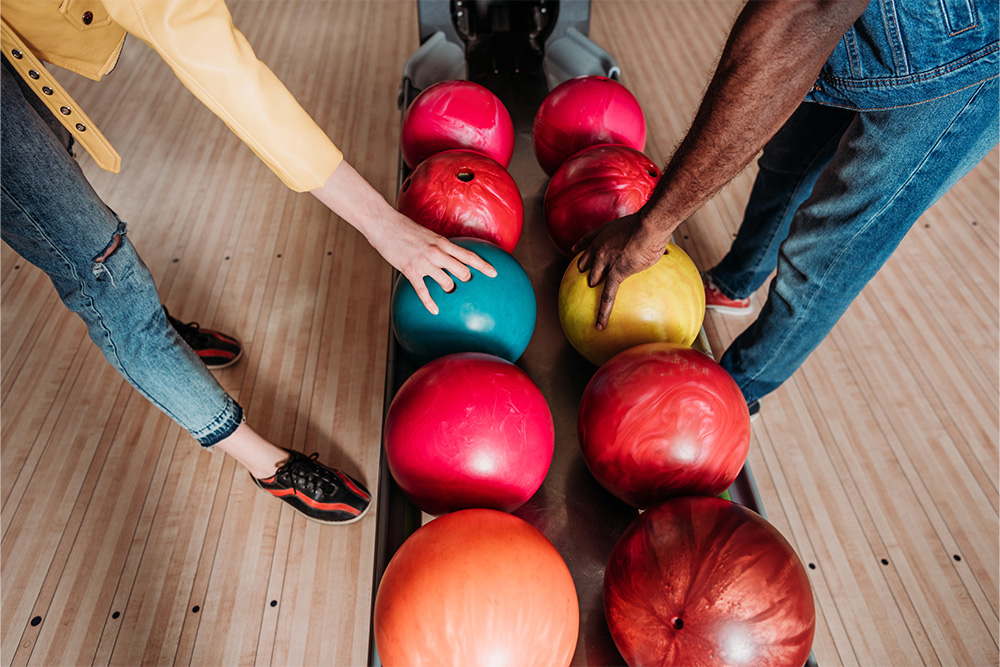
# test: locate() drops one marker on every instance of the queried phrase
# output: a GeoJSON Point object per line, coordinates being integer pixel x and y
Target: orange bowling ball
{"type": "Point", "coordinates": [665, 303]}
{"type": "Point", "coordinates": [476, 587]}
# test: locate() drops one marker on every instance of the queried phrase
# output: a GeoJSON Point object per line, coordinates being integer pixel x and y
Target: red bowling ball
{"type": "Point", "coordinates": [597, 185]}
{"type": "Point", "coordinates": [469, 430]}
{"type": "Point", "coordinates": [464, 193]}
{"type": "Point", "coordinates": [661, 420]}
{"type": "Point", "coordinates": [582, 112]}
{"type": "Point", "coordinates": [704, 581]}
{"type": "Point", "coordinates": [456, 114]}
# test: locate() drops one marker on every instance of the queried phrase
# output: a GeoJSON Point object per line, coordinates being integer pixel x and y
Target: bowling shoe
{"type": "Point", "coordinates": [320, 493]}
{"type": "Point", "coordinates": [215, 349]}
{"type": "Point", "coordinates": [754, 408]}
{"type": "Point", "coordinates": [717, 301]}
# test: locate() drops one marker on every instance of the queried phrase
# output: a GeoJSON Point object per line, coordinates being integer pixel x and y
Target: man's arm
{"type": "Point", "coordinates": [772, 57]}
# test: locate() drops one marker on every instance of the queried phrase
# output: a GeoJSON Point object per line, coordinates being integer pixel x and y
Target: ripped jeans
{"type": "Point", "coordinates": [53, 218]}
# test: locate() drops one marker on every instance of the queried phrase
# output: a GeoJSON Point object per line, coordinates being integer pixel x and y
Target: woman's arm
{"type": "Point", "coordinates": [413, 250]}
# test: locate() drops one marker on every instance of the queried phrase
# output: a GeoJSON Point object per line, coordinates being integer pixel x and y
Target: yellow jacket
{"type": "Point", "coordinates": [208, 54]}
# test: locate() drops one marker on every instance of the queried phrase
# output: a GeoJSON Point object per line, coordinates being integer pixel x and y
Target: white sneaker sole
{"type": "Point", "coordinates": [730, 310]}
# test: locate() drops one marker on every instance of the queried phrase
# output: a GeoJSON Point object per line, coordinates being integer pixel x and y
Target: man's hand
{"type": "Point", "coordinates": [772, 57]}
{"type": "Point", "coordinates": [614, 252]}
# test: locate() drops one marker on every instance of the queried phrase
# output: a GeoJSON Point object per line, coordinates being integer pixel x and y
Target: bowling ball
{"type": "Point", "coordinates": [704, 581]}
{"type": "Point", "coordinates": [476, 587]}
{"type": "Point", "coordinates": [469, 430]}
{"type": "Point", "coordinates": [661, 420]}
{"type": "Point", "coordinates": [492, 315]}
{"type": "Point", "coordinates": [582, 112]}
{"type": "Point", "coordinates": [464, 193]}
{"type": "Point", "coordinates": [594, 186]}
{"type": "Point", "coordinates": [456, 114]}
{"type": "Point", "coordinates": [666, 302]}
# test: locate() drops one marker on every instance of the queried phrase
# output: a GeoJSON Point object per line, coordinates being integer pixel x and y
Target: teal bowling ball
{"type": "Point", "coordinates": [491, 315]}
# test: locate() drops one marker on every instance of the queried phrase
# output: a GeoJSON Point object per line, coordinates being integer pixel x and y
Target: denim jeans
{"type": "Point", "coordinates": [836, 192]}
{"type": "Point", "coordinates": [53, 218]}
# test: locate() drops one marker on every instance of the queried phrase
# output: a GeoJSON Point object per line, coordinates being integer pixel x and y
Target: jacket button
{"type": "Point", "coordinates": [88, 18]}
{"type": "Point", "coordinates": [46, 90]}
{"type": "Point", "coordinates": [33, 74]}
{"type": "Point", "coordinates": [81, 127]}
{"type": "Point", "coordinates": [64, 110]}
{"type": "Point", "coordinates": [17, 54]}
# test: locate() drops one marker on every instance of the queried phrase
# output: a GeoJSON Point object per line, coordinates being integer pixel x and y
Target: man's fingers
{"type": "Point", "coordinates": [597, 271]}
{"type": "Point", "coordinates": [585, 241]}
{"type": "Point", "coordinates": [607, 300]}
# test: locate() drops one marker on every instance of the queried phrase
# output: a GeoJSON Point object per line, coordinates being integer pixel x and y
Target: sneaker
{"type": "Point", "coordinates": [321, 493]}
{"type": "Point", "coordinates": [216, 349]}
{"type": "Point", "coordinates": [716, 300]}
{"type": "Point", "coordinates": [754, 408]}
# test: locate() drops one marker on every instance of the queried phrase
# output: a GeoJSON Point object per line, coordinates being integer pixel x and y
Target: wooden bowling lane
{"type": "Point", "coordinates": [883, 446]}
{"type": "Point", "coordinates": [123, 542]}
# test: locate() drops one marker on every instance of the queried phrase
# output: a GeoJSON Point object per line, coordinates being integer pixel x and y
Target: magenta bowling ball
{"type": "Point", "coordinates": [469, 430]}
{"type": "Point", "coordinates": [596, 185]}
{"type": "Point", "coordinates": [582, 112]}
{"type": "Point", "coordinates": [456, 114]}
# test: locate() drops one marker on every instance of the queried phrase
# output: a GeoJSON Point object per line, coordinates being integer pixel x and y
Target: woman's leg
{"type": "Point", "coordinates": [53, 218]}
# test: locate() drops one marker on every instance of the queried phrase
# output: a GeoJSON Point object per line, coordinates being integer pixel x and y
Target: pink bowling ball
{"type": "Point", "coordinates": [469, 430]}
{"type": "Point", "coordinates": [456, 114]}
{"type": "Point", "coordinates": [582, 112]}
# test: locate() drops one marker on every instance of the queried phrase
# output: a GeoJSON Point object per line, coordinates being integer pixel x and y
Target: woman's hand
{"type": "Point", "coordinates": [416, 251]}
{"type": "Point", "coordinates": [615, 251]}
{"type": "Point", "coordinates": [411, 249]}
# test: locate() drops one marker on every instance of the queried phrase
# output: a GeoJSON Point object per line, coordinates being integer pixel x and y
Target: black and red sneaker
{"type": "Point", "coordinates": [321, 493]}
{"type": "Point", "coordinates": [215, 349]}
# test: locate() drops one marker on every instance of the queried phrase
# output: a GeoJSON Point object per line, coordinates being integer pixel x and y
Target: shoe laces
{"type": "Point", "coordinates": [191, 331]}
{"type": "Point", "coordinates": [307, 474]}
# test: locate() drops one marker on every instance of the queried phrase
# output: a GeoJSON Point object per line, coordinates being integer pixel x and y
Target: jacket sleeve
{"type": "Point", "coordinates": [213, 59]}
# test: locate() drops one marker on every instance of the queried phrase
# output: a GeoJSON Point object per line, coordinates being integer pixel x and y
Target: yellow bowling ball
{"type": "Point", "coordinates": [664, 303]}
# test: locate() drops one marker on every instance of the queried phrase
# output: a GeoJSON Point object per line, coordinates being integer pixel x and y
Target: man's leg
{"type": "Point", "coordinates": [890, 167]}
{"type": "Point", "coordinates": [788, 168]}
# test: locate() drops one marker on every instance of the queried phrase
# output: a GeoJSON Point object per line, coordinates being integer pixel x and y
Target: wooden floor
{"type": "Point", "coordinates": [123, 543]}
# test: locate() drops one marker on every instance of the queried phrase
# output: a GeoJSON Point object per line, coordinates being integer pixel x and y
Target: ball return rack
{"type": "Point", "coordinates": [520, 50]}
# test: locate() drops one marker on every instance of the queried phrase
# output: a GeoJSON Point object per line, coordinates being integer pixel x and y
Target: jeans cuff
{"type": "Point", "coordinates": [222, 426]}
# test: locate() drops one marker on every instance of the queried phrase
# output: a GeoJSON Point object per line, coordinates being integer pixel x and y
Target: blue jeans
{"type": "Point", "coordinates": [53, 218]}
{"type": "Point", "coordinates": [836, 192]}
